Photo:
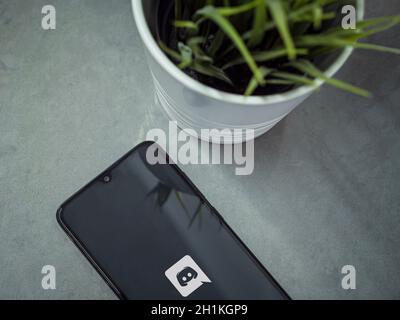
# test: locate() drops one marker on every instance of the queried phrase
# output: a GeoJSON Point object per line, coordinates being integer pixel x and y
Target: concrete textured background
{"type": "Point", "coordinates": [326, 187]}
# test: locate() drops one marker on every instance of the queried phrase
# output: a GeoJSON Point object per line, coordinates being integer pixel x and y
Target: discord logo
{"type": "Point", "coordinates": [186, 276]}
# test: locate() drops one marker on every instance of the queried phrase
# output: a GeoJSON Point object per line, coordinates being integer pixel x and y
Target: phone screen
{"type": "Point", "coordinates": [152, 235]}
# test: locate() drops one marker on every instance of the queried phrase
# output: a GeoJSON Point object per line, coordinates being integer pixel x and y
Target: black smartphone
{"type": "Point", "coordinates": [151, 234]}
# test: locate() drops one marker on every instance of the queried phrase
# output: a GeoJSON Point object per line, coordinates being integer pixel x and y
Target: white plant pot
{"type": "Point", "coordinates": [196, 106]}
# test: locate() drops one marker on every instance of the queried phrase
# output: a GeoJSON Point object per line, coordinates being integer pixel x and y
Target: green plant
{"type": "Point", "coordinates": [251, 45]}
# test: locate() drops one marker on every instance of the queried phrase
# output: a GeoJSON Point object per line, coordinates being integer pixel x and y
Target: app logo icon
{"type": "Point", "coordinates": [186, 276]}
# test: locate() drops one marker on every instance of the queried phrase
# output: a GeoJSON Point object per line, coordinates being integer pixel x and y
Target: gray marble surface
{"type": "Point", "coordinates": [326, 186]}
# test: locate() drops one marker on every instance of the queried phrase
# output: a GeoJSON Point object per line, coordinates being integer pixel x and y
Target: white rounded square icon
{"type": "Point", "coordinates": [186, 276]}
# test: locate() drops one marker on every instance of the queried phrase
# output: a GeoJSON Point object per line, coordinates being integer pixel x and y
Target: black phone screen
{"type": "Point", "coordinates": [152, 235]}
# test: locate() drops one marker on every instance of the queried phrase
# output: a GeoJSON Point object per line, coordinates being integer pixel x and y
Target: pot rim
{"type": "Point", "coordinates": [203, 89]}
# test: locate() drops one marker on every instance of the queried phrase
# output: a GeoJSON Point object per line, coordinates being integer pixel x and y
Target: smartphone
{"type": "Point", "coordinates": [152, 235]}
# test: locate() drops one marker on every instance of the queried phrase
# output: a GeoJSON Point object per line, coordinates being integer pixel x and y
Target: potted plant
{"type": "Point", "coordinates": [246, 64]}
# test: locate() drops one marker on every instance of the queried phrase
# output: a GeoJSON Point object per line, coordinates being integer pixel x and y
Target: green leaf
{"type": "Point", "coordinates": [260, 18]}
{"type": "Point", "coordinates": [216, 43]}
{"type": "Point", "coordinates": [199, 54]}
{"type": "Point", "coordinates": [264, 56]}
{"type": "Point", "coordinates": [333, 41]}
{"type": "Point", "coordinates": [231, 11]}
{"type": "Point", "coordinates": [186, 25]}
{"type": "Point", "coordinates": [173, 54]}
{"type": "Point", "coordinates": [366, 27]}
{"type": "Point", "coordinates": [279, 15]}
{"type": "Point", "coordinates": [375, 47]}
{"type": "Point", "coordinates": [211, 13]}
{"type": "Point", "coordinates": [211, 71]}
{"type": "Point", "coordinates": [307, 67]}
{"type": "Point", "coordinates": [293, 77]}
{"type": "Point", "coordinates": [253, 84]}
{"type": "Point", "coordinates": [317, 17]}
{"type": "Point", "coordinates": [280, 82]}
{"type": "Point", "coordinates": [186, 55]}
